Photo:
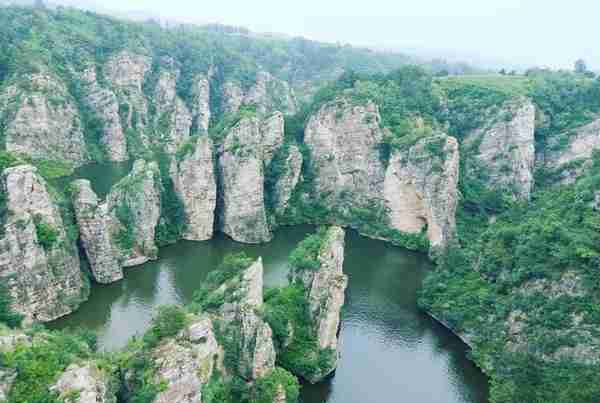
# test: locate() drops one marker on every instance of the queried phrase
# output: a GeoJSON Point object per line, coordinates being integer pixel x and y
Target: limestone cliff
{"type": "Point", "coordinates": [42, 120]}
{"type": "Point", "coordinates": [185, 363]}
{"type": "Point", "coordinates": [287, 181]}
{"type": "Point", "coordinates": [502, 150]}
{"type": "Point", "coordinates": [119, 232]}
{"type": "Point", "coordinates": [241, 203]}
{"type": "Point", "coordinates": [125, 73]}
{"type": "Point", "coordinates": [85, 383]}
{"type": "Point", "coordinates": [240, 315]}
{"type": "Point", "coordinates": [421, 188]}
{"type": "Point", "coordinates": [570, 160]}
{"type": "Point", "coordinates": [135, 204]}
{"type": "Point", "coordinates": [173, 120]}
{"type": "Point", "coordinates": [95, 223]}
{"type": "Point", "coordinates": [105, 105]}
{"type": "Point", "coordinates": [194, 180]}
{"type": "Point", "coordinates": [201, 103]}
{"type": "Point", "coordinates": [39, 263]}
{"type": "Point", "coordinates": [344, 144]}
{"type": "Point", "coordinates": [325, 289]}
{"type": "Point", "coordinates": [268, 93]}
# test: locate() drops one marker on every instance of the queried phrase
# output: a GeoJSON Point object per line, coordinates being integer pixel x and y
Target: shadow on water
{"type": "Point", "coordinates": [391, 352]}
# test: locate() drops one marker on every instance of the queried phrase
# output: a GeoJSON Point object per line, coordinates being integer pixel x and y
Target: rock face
{"type": "Point", "coordinates": [201, 105]}
{"type": "Point", "coordinates": [242, 213]}
{"type": "Point", "coordinates": [421, 188]}
{"type": "Point", "coordinates": [42, 120]}
{"type": "Point", "coordinates": [573, 158]}
{"type": "Point", "coordinates": [325, 292]}
{"type": "Point", "coordinates": [286, 183]}
{"type": "Point", "coordinates": [94, 223]}
{"type": "Point", "coordinates": [119, 232]}
{"type": "Point", "coordinates": [125, 72]}
{"type": "Point", "coordinates": [268, 94]}
{"type": "Point", "coordinates": [173, 119]}
{"type": "Point", "coordinates": [38, 262]}
{"type": "Point", "coordinates": [343, 140]}
{"type": "Point", "coordinates": [134, 202]}
{"type": "Point", "coordinates": [105, 105]}
{"type": "Point", "coordinates": [186, 363]}
{"type": "Point", "coordinates": [255, 337]}
{"type": "Point", "coordinates": [504, 148]}
{"type": "Point", "coordinates": [195, 183]}
{"type": "Point", "coordinates": [84, 383]}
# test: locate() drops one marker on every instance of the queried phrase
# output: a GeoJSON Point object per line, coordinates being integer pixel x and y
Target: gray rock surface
{"type": "Point", "coordinates": [325, 289]}
{"type": "Point", "coordinates": [572, 159]}
{"type": "Point", "coordinates": [42, 276]}
{"type": "Point", "coordinates": [119, 232]}
{"type": "Point", "coordinates": [194, 181]}
{"type": "Point", "coordinates": [42, 120]}
{"type": "Point", "coordinates": [288, 180]}
{"type": "Point", "coordinates": [95, 223]}
{"type": "Point", "coordinates": [104, 103]}
{"type": "Point", "coordinates": [84, 383]}
{"type": "Point", "coordinates": [421, 189]}
{"type": "Point", "coordinates": [256, 348]}
{"type": "Point", "coordinates": [343, 140]}
{"type": "Point", "coordinates": [504, 148]}
{"type": "Point", "coordinates": [186, 363]}
{"type": "Point", "coordinates": [125, 73]}
{"type": "Point", "coordinates": [242, 212]}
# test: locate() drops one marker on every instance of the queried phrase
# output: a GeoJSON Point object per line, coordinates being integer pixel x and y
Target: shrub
{"type": "Point", "coordinates": [46, 234]}
{"type": "Point", "coordinates": [306, 255]}
{"type": "Point", "coordinates": [168, 322]}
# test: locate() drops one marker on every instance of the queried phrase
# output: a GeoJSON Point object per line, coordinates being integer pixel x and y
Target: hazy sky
{"type": "Point", "coordinates": [528, 32]}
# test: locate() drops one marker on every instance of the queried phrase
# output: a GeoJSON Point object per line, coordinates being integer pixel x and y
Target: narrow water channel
{"type": "Point", "coordinates": [391, 352]}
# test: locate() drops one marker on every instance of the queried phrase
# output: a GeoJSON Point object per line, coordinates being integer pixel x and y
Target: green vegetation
{"type": "Point", "coordinates": [306, 254]}
{"type": "Point", "coordinates": [168, 322]}
{"type": "Point", "coordinates": [267, 387]}
{"type": "Point", "coordinates": [537, 263]}
{"type": "Point", "coordinates": [173, 221]}
{"type": "Point", "coordinates": [39, 363]}
{"type": "Point", "coordinates": [7, 315]}
{"type": "Point", "coordinates": [287, 307]}
{"type": "Point", "coordinates": [232, 265]}
{"type": "Point", "coordinates": [46, 234]}
{"type": "Point", "coordinates": [126, 236]}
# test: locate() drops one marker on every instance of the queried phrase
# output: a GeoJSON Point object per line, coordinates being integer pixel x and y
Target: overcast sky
{"type": "Point", "coordinates": [527, 32]}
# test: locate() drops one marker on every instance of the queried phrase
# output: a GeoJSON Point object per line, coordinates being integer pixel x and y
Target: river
{"type": "Point", "coordinates": [391, 351]}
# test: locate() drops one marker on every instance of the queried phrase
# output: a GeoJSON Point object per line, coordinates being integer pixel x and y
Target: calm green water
{"type": "Point", "coordinates": [391, 352]}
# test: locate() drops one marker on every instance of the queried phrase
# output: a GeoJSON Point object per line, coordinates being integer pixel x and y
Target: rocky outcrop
{"type": "Point", "coordinates": [95, 224]}
{"type": "Point", "coordinates": [105, 105]}
{"type": "Point", "coordinates": [325, 288]}
{"type": "Point", "coordinates": [39, 264]}
{"type": "Point", "coordinates": [125, 72]}
{"type": "Point", "coordinates": [119, 232]}
{"type": "Point", "coordinates": [186, 363]}
{"type": "Point", "coordinates": [573, 158]}
{"type": "Point", "coordinates": [134, 202]}
{"type": "Point", "coordinates": [502, 150]}
{"type": "Point", "coordinates": [201, 103]}
{"type": "Point", "coordinates": [173, 120]}
{"type": "Point", "coordinates": [268, 94]}
{"type": "Point", "coordinates": [85, 383]}
{"type": "Point", "coordinates": [287, 181]}
{"type": "Point", "coordinates": [344, 144]}
{"type": "Point", "coordinates": [421, 189]}
{"type": "Point", "coordinates": [194, 182]}
{"type": "Point", "coordinates": [42, 120]}
{"type": "Point", "coordinates": [272, 136]}
{"type": "Point", "coordinates": [244, 296]}
{"type": "Point", "coordinates": [241, 203]}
